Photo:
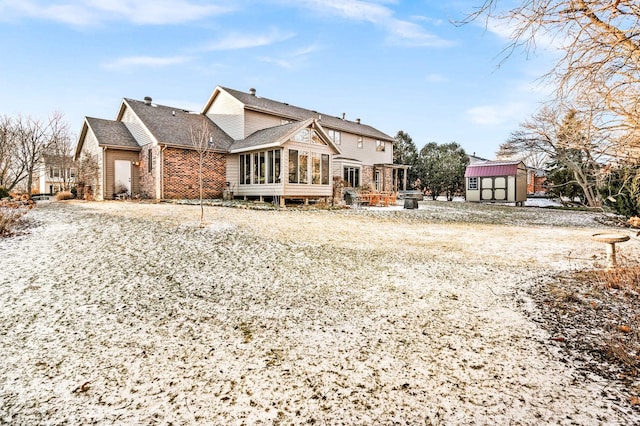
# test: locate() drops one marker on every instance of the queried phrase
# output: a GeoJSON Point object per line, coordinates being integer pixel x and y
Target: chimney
{"type": "Point", "coordinates": [252, 91]}
{"type": "Point", "coordinates": [358, 120]}
{"type": "Point", "coordinates": [344, 115]}
{"type": "Point", "coordinates": [147, 100]}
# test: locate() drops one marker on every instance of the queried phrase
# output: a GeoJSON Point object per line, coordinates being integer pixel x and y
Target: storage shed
{"type": "Point", "coordinates": [497, 181]}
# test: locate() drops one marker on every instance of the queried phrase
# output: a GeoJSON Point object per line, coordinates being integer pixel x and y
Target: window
{"type": "Point", "coordinates": [302, 136]}
{"type": "Point", "coordinates": [308, 167]}
{"type": "Point", "coordinates": [379, 146]}
{"type": "Point", "coordinates": [315, 168]}
{"type": "Point", "coordinates": [260, 167]}
{"type": "Point", "coordinates": [72, 173]}
{"type": "Point", "coordinates": [150, 165]}
{"type": "Point", "coordinates": [360, 142]}
{"type": "Point", "coordinates": [335, 136]}
{"type": "Point", "coordinates": [352, 176]}
{"type": "Point", "coordinates": [472, 183]}
{"type": "Point", "coordinates": [325, 169]}
{"type": "Point", "coordinates": [293, 166]}
{"type": "Point", "coordinates": [303, 167]}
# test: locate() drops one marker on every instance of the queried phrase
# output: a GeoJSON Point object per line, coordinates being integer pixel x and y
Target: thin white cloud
{"type": "Point", "coordinates": [92, 12]}
{"type": "Point", "coordinates": [401, 32]}
{"type": "Point", "coordinates": [293, 60]}
{"type": "Point", "coordinates": [436, 78]}
{"type": "Point", "coordinates": [508, 28]}
{"type": "Point", "coordinates": [492, 115]}
{"type": "Point", "coordinates": [245, 41]}
{"type": "Point", "coordinates": [146, 61]}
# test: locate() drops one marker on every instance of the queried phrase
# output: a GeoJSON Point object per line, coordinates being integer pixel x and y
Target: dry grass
{"type": "Point", "coordinates": [627, 277]}
{"type": "Point", "coordinates": [64, 195]}
{"type": "Point", "coordinates": [11, 210]}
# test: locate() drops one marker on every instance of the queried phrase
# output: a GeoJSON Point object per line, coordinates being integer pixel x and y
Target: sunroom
{"type": "Point", "coordinates": [291, 161]}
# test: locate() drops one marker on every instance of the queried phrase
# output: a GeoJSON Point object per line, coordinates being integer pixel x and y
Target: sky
{"type": "Point", "coordinates": [396, 65]}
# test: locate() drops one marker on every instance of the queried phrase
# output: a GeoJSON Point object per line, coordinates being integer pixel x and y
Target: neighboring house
{"type": "Point", "coordinates": [497, 181]}
{"type": "Point", "coordinates": [259, 148]}
{"type": "Point", "coordinates": [54, 174]}
{"type": "Point", "coordinates": [536, 181]}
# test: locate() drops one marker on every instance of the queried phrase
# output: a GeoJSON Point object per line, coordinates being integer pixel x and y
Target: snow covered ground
{"type": "Point", "coordinates": [129, 313]}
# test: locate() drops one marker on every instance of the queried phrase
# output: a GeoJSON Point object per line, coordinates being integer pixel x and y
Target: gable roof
{"type": "Point", "coordinates": [282, 109]}
{"type": "Point", "coordinates": [276, 136]}
{"type": "Point", "coordinates": [108, 133]}
{"type": "Point", "coordinates": [171, 126]}
{"type": "Point", "coordinates": [493, 168]}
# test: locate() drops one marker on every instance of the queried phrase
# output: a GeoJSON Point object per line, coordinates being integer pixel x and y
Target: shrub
{"type": "Point", "coordinates": [4, 193]}
{"type": "Point", "coordinates": [64, 195]}
{"type": "Point", "coordinates": [8, 218]}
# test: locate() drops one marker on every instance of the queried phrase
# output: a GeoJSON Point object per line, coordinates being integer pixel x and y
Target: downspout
{"type": "Point", "coordinates": [162, 171]}
{"type": "Point", "coordinates": [104, 172]}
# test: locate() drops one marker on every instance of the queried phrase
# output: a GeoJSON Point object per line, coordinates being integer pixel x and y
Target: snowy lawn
{"type": "Point", "coordinates": [130, 313]}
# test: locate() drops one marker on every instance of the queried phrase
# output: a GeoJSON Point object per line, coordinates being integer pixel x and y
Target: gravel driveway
{"type": "Point", "coordinates": [130, 313]}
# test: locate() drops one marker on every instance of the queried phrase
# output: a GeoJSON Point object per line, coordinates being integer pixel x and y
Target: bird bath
{"type": "Point", "coordinates": [610, 240]}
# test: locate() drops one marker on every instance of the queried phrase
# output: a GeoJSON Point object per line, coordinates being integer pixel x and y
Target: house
{"type": "Point", "coordinates": [536, 181]}
{"type": "Point", "coordinates": [258, 148]}
{"type": "Point", "coordinates": [54, 173]}
{"type": "Point", "coordinates": [496, 181]}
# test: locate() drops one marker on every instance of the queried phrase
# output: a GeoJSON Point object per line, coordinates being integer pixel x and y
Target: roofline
{"type": "Point", "coordinates": [80, 143]}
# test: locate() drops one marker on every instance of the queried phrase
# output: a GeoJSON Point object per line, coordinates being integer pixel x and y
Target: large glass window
{"type": "Point", "coordinates": [325, 169]}
{"type": "Point", "coordinates": [303, 167]}
{"type": "Point", "coordinates": [276, 166]}
{"type": "Point", "coordinates": [379, 145]}
{"type": "Point", "coordinates": [260, 167]}
{"type": "Point", "coordinates": [293, 166]}
{"type": "Point", "coordinates": [315, 168]}
{"type": "Point", "coordinates": [308, 167]}
{"type": "Point", "coordinates": [256, 169]}
{"type": "Point", "coordinates": [352, 176]}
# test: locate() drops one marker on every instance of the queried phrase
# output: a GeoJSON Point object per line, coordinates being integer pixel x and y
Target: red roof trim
{"type": "Point", "coordinates": [492, 169]}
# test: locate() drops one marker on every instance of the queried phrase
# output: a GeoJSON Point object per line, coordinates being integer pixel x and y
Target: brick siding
{"type": "Point", "coordinates": [181, 174]}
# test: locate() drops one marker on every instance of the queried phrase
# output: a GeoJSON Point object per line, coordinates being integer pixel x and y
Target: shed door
{"type": "Point", "coordinates": [122, 176]}
{"type": "Point", "coordinates": [493, 188]}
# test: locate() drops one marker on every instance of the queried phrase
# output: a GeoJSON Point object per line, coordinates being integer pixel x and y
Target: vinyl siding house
{"type": "Point", "coordinates": [258, 148]}
{"type": "Point", "coordinates": [497, 181]}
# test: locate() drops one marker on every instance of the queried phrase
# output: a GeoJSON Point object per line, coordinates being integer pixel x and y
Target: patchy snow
{"type": "Point", "coordinates": [133, 314]}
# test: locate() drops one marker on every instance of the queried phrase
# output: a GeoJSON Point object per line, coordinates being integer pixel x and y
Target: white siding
{"type": "Point", "coordinates": [90, 147]}
{"type": "Point", "coordinates": [233, 172]}
{"type": "Point", "coordinates": [368, 153]}
{"type": "Point", "coordinates": [228, 113]}
{"type": "Point", "coordinates": [254, 121]}
{"type": "Point", "coordinates": [135, 127]}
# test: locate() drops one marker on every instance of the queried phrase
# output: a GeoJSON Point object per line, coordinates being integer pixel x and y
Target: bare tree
{"type": "Point", "coordinates": [601, 45]}
{"type": "Point", "coordinates": [32, 137]}
{"type": "Point", "coordinates": [569, 140]}
{"type": "Point", "coordinates": [11, 170]}
{"type": "Point", "coordinates": [87, 175]}
{"type": "Point", "coordinates": [203, 144]}
{"type": "Point", "coordinates": [60, 150]}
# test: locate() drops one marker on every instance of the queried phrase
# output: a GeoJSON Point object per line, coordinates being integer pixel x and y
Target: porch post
{"type": "Point", "coordinates": [404, 179]}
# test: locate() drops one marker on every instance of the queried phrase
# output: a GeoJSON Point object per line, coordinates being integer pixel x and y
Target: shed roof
{"type": "Point", "coordinates": [493, 168]}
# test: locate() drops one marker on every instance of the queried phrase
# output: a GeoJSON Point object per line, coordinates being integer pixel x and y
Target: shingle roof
{"type": "Point", "coordinates": [285, 110]}
{"type": "Point", "coordinates": [112, 133]}
{"type": "Point", "coordinates": [269, 135]}
{"type": "Point", "coordinates": [493, 168]}
{"type": "Point", "coordinates": [172, 125]}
